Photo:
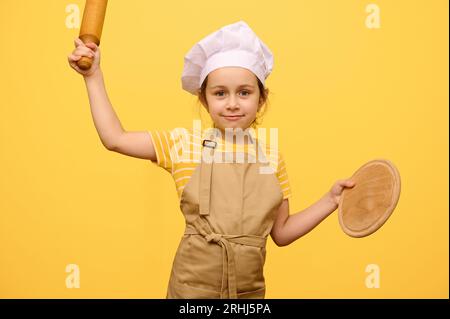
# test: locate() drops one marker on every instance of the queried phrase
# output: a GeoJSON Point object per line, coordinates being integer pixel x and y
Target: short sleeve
{"type": "Point", "coordinates": [163, 144]}
{"type": "Point", "coordinates": [283, 177]}
{"type": "Point", "coordinates": [170, 145]}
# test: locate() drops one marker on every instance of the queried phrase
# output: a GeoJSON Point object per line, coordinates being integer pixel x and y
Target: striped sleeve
{"type": "Point", "coordinates": [283, 177]}
{"type": "Point", "coordinates": [163, 145]}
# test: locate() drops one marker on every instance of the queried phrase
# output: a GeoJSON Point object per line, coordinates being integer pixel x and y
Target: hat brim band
{"type": "Point", "coordinates": [235, 58]}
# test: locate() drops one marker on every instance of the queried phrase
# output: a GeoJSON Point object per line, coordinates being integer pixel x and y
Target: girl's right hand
{"type": "Point", "coordinates": [88, 50]}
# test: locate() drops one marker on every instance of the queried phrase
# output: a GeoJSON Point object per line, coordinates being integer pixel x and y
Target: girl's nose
{"type": "Point", "coordinates": [232, 104]}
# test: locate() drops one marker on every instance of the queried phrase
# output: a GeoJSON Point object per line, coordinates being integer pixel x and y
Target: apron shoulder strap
{"type": "Point", "coordinates": [207, 159]}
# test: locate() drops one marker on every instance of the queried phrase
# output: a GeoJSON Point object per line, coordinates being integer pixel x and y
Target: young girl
{"type": "Point", "coordinates": [230, 206]}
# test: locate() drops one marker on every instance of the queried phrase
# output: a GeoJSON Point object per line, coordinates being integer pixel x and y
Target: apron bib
{"type": "Point", "coordinates": [229, 210]}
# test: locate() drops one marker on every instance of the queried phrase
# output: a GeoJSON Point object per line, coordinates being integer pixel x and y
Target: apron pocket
{"type": "Point", "coordinates": [198, 264]}
{"type": "Point", "coordinates": [249, 268]}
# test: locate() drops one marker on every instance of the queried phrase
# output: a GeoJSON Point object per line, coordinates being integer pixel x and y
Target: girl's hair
{"type": "Point", "coordinates": [263, 100]}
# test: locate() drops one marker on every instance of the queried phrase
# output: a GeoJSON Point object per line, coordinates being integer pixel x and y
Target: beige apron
{"type": "Point", "coordinates": [229, 210]}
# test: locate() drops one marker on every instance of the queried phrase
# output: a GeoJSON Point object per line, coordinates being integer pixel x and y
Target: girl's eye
{"type": "Point", "coordinates": [246, 93]}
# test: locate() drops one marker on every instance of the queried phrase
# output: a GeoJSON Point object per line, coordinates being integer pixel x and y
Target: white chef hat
{"type": "Point", "coordinates": [232, 45]}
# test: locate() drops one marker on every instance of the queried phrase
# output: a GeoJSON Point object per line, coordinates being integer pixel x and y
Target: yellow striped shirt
{"type": "Point", "coordinates": [178, 151]}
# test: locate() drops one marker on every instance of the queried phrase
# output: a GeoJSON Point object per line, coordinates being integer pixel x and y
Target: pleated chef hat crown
{"type": "Point", "coordinates": [232, 45]}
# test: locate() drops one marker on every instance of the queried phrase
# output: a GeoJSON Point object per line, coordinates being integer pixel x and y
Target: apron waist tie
{"type": "Point", "coordinates": [201, 227]}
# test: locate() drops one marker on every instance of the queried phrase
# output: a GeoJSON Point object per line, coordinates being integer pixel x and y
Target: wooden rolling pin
{"type": "Point", "coordinates": [91, 27]}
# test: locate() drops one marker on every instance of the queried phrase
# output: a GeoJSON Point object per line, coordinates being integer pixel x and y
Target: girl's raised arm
{"type": "Point", "coordinates": [109, 128]}
{"type": "Point", "coordinates": [112, 135]}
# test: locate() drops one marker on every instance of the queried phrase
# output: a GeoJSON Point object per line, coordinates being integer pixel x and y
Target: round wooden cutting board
{"type": "Point", "coordinates": [365, 207]}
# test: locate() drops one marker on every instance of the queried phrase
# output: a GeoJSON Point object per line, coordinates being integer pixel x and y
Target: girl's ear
{"type": "Point", "coordinates": [260, 104]}
{"type": "Point", "coordinates": [261, 100]}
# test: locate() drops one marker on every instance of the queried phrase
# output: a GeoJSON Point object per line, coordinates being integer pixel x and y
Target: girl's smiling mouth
{"type": "Point", "coordinates": [232, 117]}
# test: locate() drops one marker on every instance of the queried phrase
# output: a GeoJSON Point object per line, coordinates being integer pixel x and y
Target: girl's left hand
{"type": "Point", "coordinates": [337, 189]}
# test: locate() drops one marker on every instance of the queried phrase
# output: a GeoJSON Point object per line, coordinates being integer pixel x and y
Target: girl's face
{"type": "Point", "coordinates": [233, 98]}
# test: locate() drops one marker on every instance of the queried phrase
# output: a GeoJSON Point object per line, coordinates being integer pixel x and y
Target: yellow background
{"type": "Point", "coordinates": [343, 94]}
